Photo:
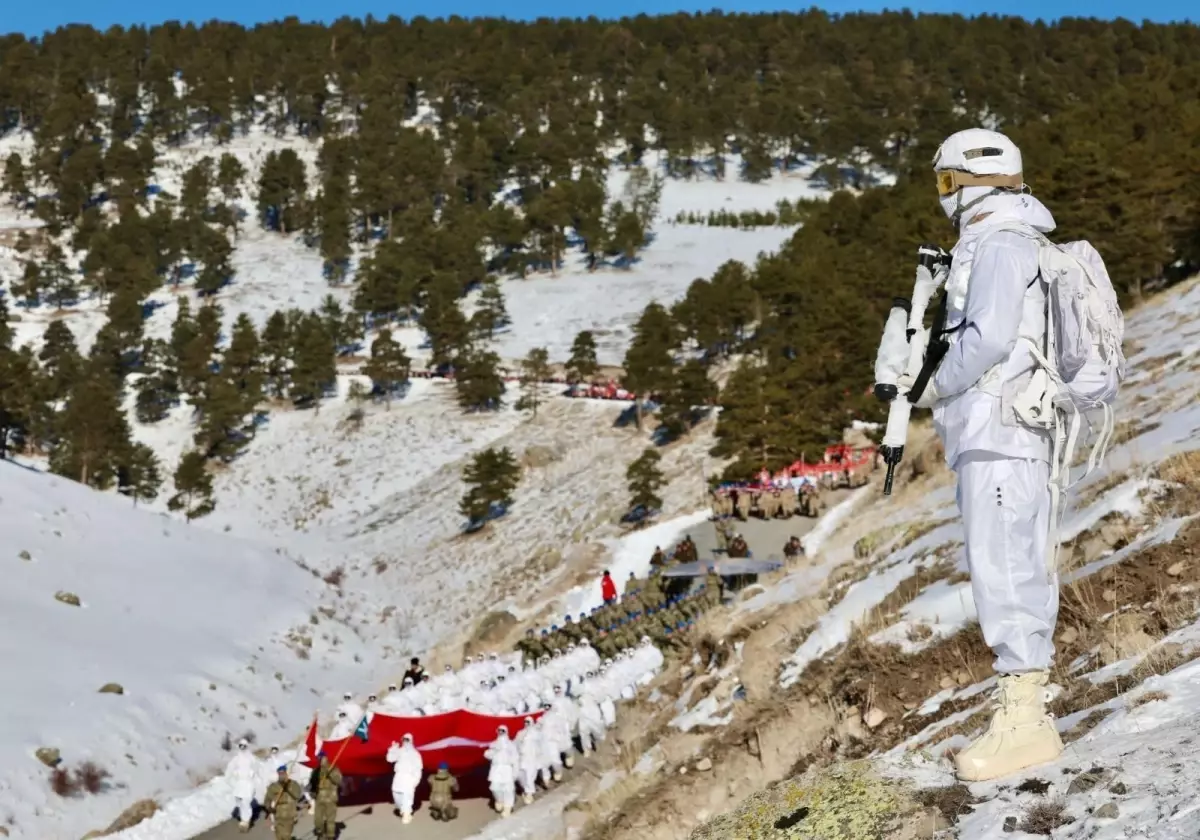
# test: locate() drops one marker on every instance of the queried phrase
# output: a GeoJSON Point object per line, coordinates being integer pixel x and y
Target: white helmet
{"type": "Point", "coordinates": [978, 151]}
{"type": "Point", "coordinates": [974, 164]}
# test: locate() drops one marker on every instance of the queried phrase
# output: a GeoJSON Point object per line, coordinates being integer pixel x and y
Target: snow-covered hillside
{"type": "Point", "coordinates": [190, 625]}
{"type": "Point", "coordinates": [870, 648]}
{"type": "Point", "coordinates": [370, 507]}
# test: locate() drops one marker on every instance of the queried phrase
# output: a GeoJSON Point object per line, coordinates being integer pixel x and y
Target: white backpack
{"type": "Point", "coordinates": [1081, 360]}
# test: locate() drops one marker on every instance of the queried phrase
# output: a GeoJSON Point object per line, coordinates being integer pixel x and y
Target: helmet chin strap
{"type": "Point", "coordinates": [960, 209]}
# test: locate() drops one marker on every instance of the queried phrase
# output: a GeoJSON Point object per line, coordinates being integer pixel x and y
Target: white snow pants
{"type": "Point", "coordinates": [245, 808]}
{"type": "Point", "coordinates": [1005, 506]}
{"type": "Point", "coordinates": [403, 797]}
{"type": "Point", "coordinates": [505, 794]}
{"type": "Point", "coordinates": [527, 776]}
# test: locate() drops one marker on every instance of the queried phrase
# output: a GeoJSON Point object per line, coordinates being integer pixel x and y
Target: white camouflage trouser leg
{"type": "Point", "coordinates": [245, 808]}
{"type": "Point", "coordinates": [505, 795]}
{"type": "Point", "coordinates": [1005, 505]}
{"type": "Point", "coordinates": [528, 780]}
{"type": "Point", "coordinates": [403, 797]}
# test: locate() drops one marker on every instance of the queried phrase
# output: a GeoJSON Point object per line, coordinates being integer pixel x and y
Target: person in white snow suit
{"type": "Point", "coordinates": [996, 298]}
{"type": "Point", "coordinates": [353, 710]}
{"type": "Point", "coordinates": [529, 759]}
{"type": "Point", "coordinates": [406, 775]}
{"type": "Point", "coordinates": [242, 773]}
{"type": "Point", "coordinates": [591, 719]}
{"type": "Point", "coordinates": [343, 727]}
{"type": "Point", "coordinates": [502, 773]}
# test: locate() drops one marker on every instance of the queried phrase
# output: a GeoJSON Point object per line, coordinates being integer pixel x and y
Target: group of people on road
{"type": "Point", "coordinates": [643, 609]}
{"type": "Point", "coordinates": [265, 785]}
{"type": "Point", "coordinates": [578, 708]}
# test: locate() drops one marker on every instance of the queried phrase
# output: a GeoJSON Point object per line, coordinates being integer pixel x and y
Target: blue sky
{"type": "Point", "coordinates": [32, 17]}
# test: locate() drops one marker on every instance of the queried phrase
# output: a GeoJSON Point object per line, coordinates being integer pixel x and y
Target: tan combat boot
{"type": "Point", "coordinates": [1020, 735]}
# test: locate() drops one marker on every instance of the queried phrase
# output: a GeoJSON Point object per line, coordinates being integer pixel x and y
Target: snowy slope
{"type": "Point", "coordinates": [379, 503]}
{"type": "Point", "coordinates": [191, 624]}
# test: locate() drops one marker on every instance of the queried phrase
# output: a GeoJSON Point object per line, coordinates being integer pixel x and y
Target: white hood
{"type": "Point", "coordinates": [1005, 208]}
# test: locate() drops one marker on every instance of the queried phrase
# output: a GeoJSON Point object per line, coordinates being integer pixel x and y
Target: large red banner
{"type": "Point", "coordinates": [457, 738]}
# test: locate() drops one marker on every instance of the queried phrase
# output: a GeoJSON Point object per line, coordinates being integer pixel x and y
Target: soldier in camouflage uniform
{"type": "Point", "coordinates": [788, 501]}
{"type": "Point", "coordinates": [282, 801]}
{"type": "Point", "coordinates": [713, 586]}
{"type": "Point", "coordinates": [658, 558]}
{"type": "Point", "coordinates": [722, 527]}
{"type": "Point", "coordinates": [327, 781]}
{"type": "Point", "coordinates": [442, 787]}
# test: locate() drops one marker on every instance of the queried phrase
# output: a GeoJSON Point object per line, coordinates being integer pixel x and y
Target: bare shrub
{"type": "Point", "coordinates": [63, 783]}
{"type": "Point", "coordinates": [227, 742]}
{"type": "Point", "coordinates": [336, 576]}
{"type": "Point", "coordinates": [92, 778]}
{"type": "Point", "coordinates": [1045, 816]}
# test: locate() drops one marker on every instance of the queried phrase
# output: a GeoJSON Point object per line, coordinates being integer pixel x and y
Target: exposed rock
{"type": "Point", "coordinates": [1010, 825]}
{"type": "Point", "coordinates": [68, 598]}
{"type": "Point", "coordinates": [1068, 636]}
{"type": "Point", "coordinates": [112, 688]}
{"type": "Point", "coordinates": [875, 717]}
{"type": "Point", "coordinates": [1118, 788]}
{"type": "Point", "coordinates": [1108, 811]}
{"type": "Point", "coordinates": [962, 677]}
{"type": "Point", "coordinates": [50, 756]}
{"type": "Point", "coordinates": [1088, 780]}
{"type": "Point", "coordinates": [1125, 636]}
{"type": "Point", "coordinates": [25, 555]}
{"type": "Point", "coordinates": [946, 682]}
{"type": "Point", "coordinates": [1109, 595]}
{"type": "Point", "coordinates": [1175, 569]}
{"type": "Point", "coordinates": [704, 765]}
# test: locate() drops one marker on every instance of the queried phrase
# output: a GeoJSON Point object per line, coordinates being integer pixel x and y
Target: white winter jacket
{"type": "Point", "coordinates": [242, 774]}
{"type": "Point", "coordinates": [503, 757]}
{"type": "Point", "coordinates": [406, 766]}
{"type": "Point", "coordinates": [994, 301]}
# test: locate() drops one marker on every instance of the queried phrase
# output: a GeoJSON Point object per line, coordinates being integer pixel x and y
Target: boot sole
{"type": "Point", "coordinates": [968, 774]}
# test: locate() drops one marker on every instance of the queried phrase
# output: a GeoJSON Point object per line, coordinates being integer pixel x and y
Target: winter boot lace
{"type": "Point", "coordinates": [1022, 734]}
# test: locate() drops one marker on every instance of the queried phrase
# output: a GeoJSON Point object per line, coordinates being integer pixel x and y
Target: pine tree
{"type": "Point", "coordinates": [444, 323]}
{"type": "Point", "coordinates": [491, 477]}
{"type": "Point", "coordinates": [477, 380]}
{"type": "Point", "coordinates": [222, 415]}
{"type": "Point", "coordinates": [61, 362]}
{"type": "Point", "coordinates": [230, 174]}
{"type": "Point", "coordinates": [582, 364]}
{"type": "Point", "coordinates": [645, 480]}
{"type": "Point", "coordinates": [535, 370]}
{"type": "Point", "coordinates": [242, 366]}
{"type": "Point", "coordinates": [95, 433]}
{"type": "Point", "coordinates": [388, 366]}
{"type": "Point", "coordinates": [19, 384]}
{"type": "Point", "coordinates": [14, 180]}
{"type": "Point", "coordinates": [193, 487]}
{"type": "Point", "coordinates": [277, 343]}
{"type": "Point", "coordinates": [140, 477]}
{"type": "Point", "coordinates": [687, 397]}
{"type": "Point", "coordinates": [195, 362]}
{"type": "Point", "coordinates": [313, 368]}
{"type": "Point", "coordinates": [491, 314]}
{"type": "Point", "coordinates": [282, 192]}
{"type": "Point", "coordinates": [649, 366]}
{"type": "Point", "coordinates": [58, 279]}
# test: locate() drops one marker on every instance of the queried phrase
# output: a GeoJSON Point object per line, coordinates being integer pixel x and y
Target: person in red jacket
{"type": "Point", "coordinates": [608, 588]}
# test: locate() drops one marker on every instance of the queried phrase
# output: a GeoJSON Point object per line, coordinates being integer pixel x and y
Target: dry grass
{"type": "Point", "coordinates": [952, 801]}
{"type": "Point", "coordinates": [1148, 697]}
{"type": "Point", "coordinates": [1045, 816]}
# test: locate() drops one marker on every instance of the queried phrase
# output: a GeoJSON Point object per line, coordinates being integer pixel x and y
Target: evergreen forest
{"type": "Point", "coordinates": [448, 153]}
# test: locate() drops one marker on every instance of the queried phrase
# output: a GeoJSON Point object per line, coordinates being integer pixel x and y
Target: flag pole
{"type": "Point", "coordinates": [292, 764]}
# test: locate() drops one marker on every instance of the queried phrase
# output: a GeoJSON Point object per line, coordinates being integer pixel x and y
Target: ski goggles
{"type": "Point", "coordinates": [950, 181]}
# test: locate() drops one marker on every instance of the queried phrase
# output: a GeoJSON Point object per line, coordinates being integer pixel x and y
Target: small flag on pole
{"type": "Point", "coordinates": [362, 730]}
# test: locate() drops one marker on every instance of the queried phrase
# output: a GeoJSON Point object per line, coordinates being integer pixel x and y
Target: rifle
{"type": "Point", "coordinates": [909, 349]}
